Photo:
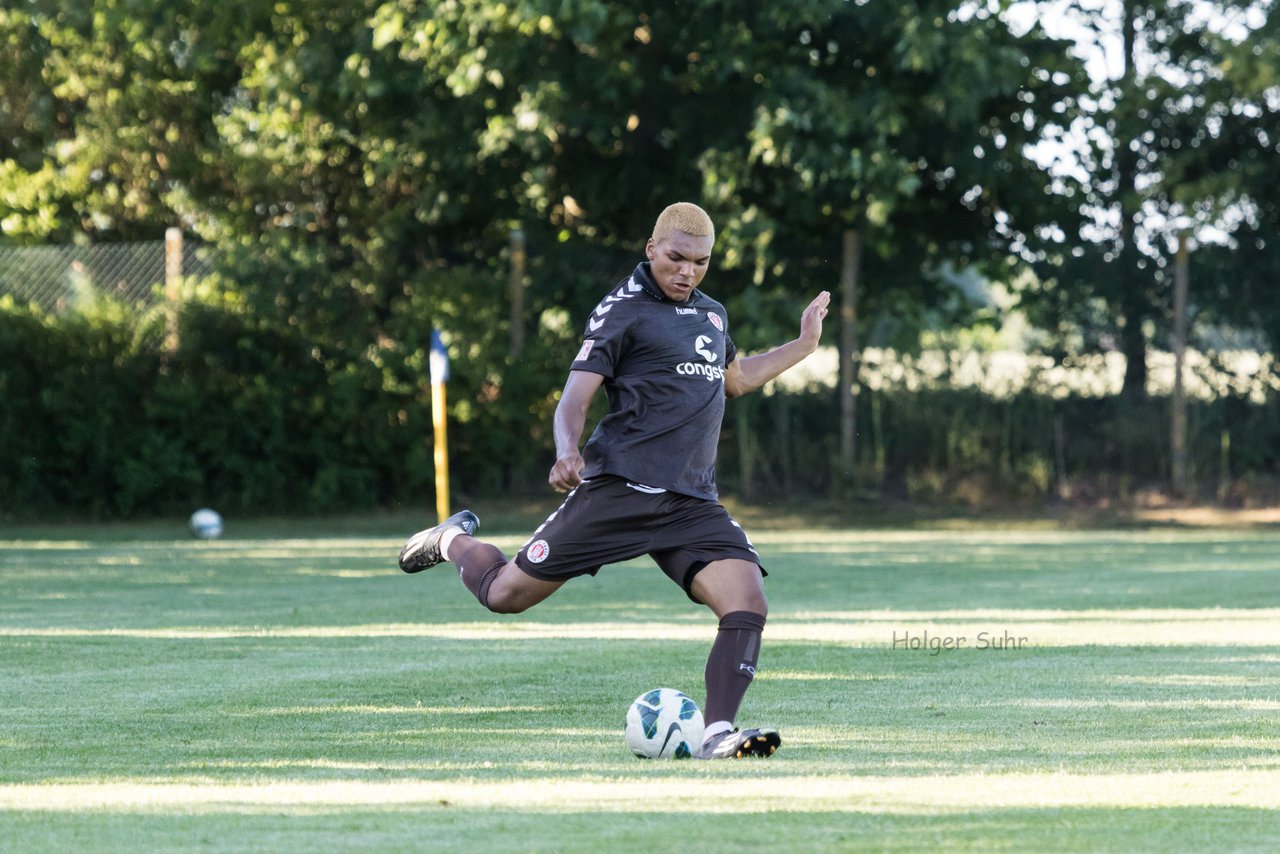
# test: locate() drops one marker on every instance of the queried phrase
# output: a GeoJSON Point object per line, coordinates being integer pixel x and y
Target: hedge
{"type": "Point", "coordinates": [251, 416]}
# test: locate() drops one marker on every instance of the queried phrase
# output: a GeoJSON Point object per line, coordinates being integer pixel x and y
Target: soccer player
{"type": "Point", "coordinates": [645, 482]}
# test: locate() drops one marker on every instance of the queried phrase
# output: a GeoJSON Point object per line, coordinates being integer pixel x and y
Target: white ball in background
{"type": "Point", "coordinates": [206, 524]}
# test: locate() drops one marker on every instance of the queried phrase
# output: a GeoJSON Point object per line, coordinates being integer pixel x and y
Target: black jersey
{"type": "Point", "coordinates": [663, 365]}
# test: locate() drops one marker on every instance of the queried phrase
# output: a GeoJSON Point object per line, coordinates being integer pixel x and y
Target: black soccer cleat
{"type": "Point", "coordinates": [422, 551]}
{"type": "Point", "coordinates": [737, 744]}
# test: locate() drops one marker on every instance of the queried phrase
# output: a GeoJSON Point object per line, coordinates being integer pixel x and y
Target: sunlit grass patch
{"type": "Point", "coordinates": [929, 632]}
{"type": "Point", "coordinates": [691, 792]}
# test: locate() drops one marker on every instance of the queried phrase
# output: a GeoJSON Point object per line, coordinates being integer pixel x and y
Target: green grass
{"type": "Point", "coordinates": [286, 692]}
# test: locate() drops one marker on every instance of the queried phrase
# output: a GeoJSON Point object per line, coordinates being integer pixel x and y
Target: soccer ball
{"type": "Point", "coordinates": [664, 724]}
{"type": "Point", "coordinates": [205, 524]}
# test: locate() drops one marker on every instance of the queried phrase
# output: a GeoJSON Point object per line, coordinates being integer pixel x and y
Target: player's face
{"type": "Point", "coordinates": [679, 262]}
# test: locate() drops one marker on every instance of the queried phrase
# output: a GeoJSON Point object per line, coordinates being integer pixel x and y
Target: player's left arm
{"type": "Point", "coordinates": [748, 373]}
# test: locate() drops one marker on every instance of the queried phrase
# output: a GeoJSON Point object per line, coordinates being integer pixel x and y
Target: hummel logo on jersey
{"type": "Point", "coordinates": [700, 347]}
{"type": "Point", "coordinates": [686, 311]}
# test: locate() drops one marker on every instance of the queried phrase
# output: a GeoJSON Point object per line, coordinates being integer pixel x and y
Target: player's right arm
{"type": "Point", "coordinates": [747, 374]}
{"type": "Point", "coordinates": [570, 420]}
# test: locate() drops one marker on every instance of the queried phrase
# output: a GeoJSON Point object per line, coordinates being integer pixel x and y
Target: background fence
{"type": "Point", "coordinates": [58, 277]}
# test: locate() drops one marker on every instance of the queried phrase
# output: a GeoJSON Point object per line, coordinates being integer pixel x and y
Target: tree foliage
{"type": "Point", "coordinates": [1179, 141]}
{"type": "Point", "coordinates": [359, 165]}
{"type": "Point", "coordinates": [342, 149]}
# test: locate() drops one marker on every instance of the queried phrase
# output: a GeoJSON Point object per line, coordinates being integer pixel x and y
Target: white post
{"type": "Point", "coordinates": [172, 285]}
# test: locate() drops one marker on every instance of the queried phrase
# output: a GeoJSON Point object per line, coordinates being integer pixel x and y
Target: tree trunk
{"type": "Point", "coordinates": [746, 461]}
{"type": "Point", "coordinates": [782, 439]}
{"type": "Point", "coordinates": [849, 273]}
{"type": "Point", "coordinates": [1178, 401]}
{"type": "Point", "coordinates": [515, 292]}
{"type": "Point", "coordinates": [1133, 305]}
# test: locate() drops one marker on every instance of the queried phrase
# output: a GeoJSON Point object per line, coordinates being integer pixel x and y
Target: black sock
{"type": "Point", "coordinates": [478, 565]}
{"type": "Point", "coordinates": [732, 664]}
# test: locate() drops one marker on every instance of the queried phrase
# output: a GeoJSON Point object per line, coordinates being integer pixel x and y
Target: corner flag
{"type": "Point", "coordinates": [438, 359]}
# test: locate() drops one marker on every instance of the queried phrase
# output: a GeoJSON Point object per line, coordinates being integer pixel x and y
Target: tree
{"type": "Point", "coordinates": [1179, 141]}
{"type": "Point", "coordinates": [1222, 174]}
{"type": "Point", "coordinates": [35, 194]}
{"type": "Point", "coordinates": [115, 108]}
{"type": "Point", "coordinates": [902, 130]}
{"type": "Point", "coordinates": [361, 164]}
{"type": "Point", "coordinates": [387, 136]}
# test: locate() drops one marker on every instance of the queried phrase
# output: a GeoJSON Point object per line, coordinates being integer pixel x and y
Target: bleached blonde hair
{"type": "Point", "coordinates": [686, 217]}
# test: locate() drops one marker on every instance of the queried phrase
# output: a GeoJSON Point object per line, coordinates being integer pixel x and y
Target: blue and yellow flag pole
{"type": "Point", "coordinates": [439, 362]}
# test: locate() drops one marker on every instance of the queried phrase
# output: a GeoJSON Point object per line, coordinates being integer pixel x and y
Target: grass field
{"type": "Point", "coordinates": [277, 693]}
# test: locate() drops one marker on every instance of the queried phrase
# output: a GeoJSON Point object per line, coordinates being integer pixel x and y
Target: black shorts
{"type": "Point", "coordinates": [609, 520]}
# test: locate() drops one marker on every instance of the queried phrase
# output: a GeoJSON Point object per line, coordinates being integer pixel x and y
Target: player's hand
{"type": "Point", "coordinates": [566, 473]}
{"type": "Point", "coordinates": [811, 320]}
